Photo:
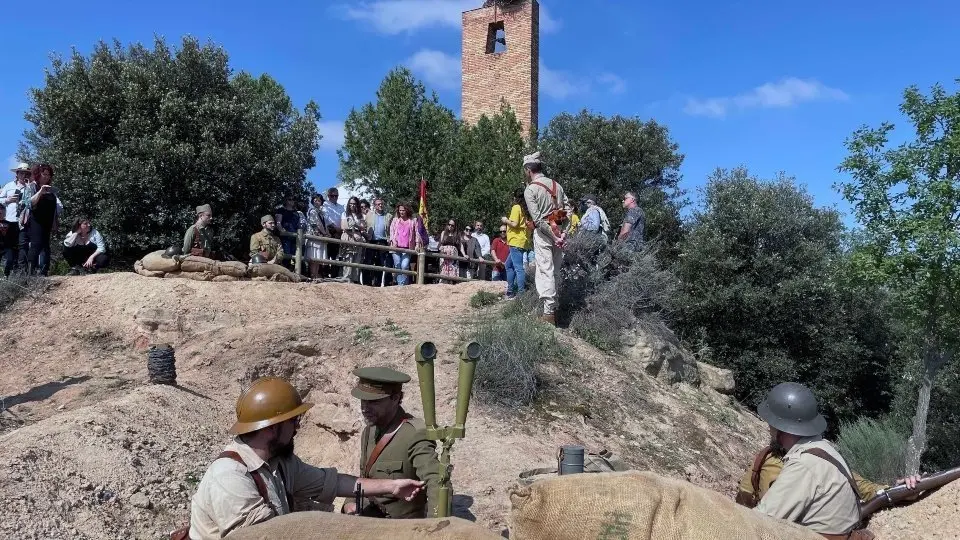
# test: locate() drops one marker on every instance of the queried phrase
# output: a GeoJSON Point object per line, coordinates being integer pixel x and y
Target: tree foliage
{"type": "Point", "coordinates": [907, 199]}
{"type": "Point", "coordinates": [140, 137]}
{"type": "Point", "coordinates": [761, 288]}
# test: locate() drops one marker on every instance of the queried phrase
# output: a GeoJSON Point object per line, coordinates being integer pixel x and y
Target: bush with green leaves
{"type": "Point", "coordinates": [139, 137]}
{"type": "Point", "coordinates": [876, 449]}
{"type": "Point", "coordinates": [483, 299]}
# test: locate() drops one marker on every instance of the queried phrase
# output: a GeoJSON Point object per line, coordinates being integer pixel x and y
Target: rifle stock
{"type": "Point", "coordinates": [891, 496]}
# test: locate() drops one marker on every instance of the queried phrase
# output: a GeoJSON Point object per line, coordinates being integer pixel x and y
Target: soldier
{"type": "Point", "coordinates": [544, 198]}
{"type": "Point", "coordinates": [198, 240]}
{"type": "Point", "coordinates": [258, 476]}
{"type": "Point", "coordinates": [266, 243]}
{"type": "Point", "coordinates": [393, 445]}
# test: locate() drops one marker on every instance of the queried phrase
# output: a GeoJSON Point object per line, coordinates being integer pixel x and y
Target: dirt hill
{"type": "Point", "coordinates": [91, 450]}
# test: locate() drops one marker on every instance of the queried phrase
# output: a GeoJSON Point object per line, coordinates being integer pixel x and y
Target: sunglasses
{"type": "Point", "coordinates": [503, 231]}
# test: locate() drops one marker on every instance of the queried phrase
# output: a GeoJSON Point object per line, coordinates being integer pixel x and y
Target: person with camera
{"type": "Point", "coordinates": [84, 248]}
{"type": "Point", "coordinates": [11, 196]}
{"type": "Point", "coordinates": [39, 218]}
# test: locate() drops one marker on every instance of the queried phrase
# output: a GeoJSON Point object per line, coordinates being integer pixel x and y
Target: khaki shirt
{"type": "Point", "coordinates": [267, 242]}
{"type": "Point", "coordinates": [205, 240]}
{"type": "Point", "coordinates": [770, 470]}
{"type": "Point", "coordinates": [540, 203]}
{"type": "Point", "coordinates": [409, 455]}
{"type": "Point", "coordinates": [227, 497]}
{"type": "Point", "coordinates": [811, 492]}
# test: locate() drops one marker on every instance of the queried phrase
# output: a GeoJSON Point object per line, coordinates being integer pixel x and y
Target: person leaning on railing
{"type": "Point", "coordinates": [403, 234]}
{"type": "Point", "coordinates": [316, 226]}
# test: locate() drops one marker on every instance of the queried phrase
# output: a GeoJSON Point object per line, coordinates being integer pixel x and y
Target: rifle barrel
{"type": "Point", "coordinates": [893, 495]}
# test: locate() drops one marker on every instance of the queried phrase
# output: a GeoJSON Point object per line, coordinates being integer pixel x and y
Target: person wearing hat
{"type": "Point", "coordinates": [258, 476]}
{"type": "Point", "coordinates": [393, 445]}
{"type": "Point", "coordinates": [11, 196]}
{"type": "Point", "coordinates": [198, 240]}
{"type": "Point", "coordinates": [594, 219]}
{"type": "Point", "coordinates": [544, 199]}
{"type": "Point", "coordinates": [266, 243]}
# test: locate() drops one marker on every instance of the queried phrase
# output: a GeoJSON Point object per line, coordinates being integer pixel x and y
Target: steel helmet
{"type": "Point", "coordinates": [268, 401]}
{"type": "Point", "coordinates": [258, 259]}
{"type": "Point", "coordinates": [792, 408]}
{"type": "Point", "coordinates": [172, 251]}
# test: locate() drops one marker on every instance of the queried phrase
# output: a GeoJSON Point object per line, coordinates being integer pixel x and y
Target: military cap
{"type": "Point", "coordinates": [204, 208]}
{"type": "Point", "coordinates": [532, 158]}
{"type": "Point", "coordinates": [378, 382]}
{"type": "Point", "coordinates": [266, 218]}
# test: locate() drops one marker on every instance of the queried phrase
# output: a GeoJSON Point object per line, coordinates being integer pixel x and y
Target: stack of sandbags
{"type": "Point", "coordinates": [204, 269]}
{"type": "Point", "coordinates": [637, 506]}
{"type": "Point", "coordinates": [155, 265]}
{"type": "Point", "coordinates": [273, 272]}
{"type": "Point", "coordinates": [231, 271]}
{"type": "Point", "coordinates": [310, 525]}
{"type": "Point", "coordinates": [198, 268]}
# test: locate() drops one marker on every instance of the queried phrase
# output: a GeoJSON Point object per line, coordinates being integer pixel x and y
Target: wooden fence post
{"type": "Point", "coordinates": [421, 266]}
{"type": "Point", "coordinates": [298, 264]}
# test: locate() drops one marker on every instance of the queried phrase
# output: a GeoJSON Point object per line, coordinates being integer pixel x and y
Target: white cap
{"type": "Point", "coordinates": [532, 158]}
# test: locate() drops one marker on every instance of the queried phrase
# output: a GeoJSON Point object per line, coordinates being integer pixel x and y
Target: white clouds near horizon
{"type": "Point", "coordinates": [785, 93]}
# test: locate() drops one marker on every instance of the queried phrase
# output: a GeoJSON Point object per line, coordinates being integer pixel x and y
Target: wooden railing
{"type": "Point", "coordinates": [420, 273]}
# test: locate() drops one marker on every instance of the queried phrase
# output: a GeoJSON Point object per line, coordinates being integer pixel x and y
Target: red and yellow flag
{"type": "Point", "coordinates": [423, 203]}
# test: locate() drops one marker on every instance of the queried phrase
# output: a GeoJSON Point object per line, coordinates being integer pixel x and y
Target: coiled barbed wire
{"type": "Point", "coordinates": [161, 364]}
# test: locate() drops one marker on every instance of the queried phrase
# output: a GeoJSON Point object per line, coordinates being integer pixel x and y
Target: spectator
{"type": "Point", "coordinates": [572, 220]}
{"type": "Point", "coordinates": [403, 234]}
{"type": "Point", "coordinates": [483, 242]}
{"type": "Point", "coordinates": [84, 248]}
{"type": "Point", "coordinates": [518, 239]}
{"type": "Point", "coordinates": [354, 227]}
{"type": "Point", "coordinates": [594, 218]}
{"type": "Point", "coordinates": [364, 207]}
{"type": "Point", "coordinates": [288, 220]}
{"type": "Point", "coordinates": [378, 232]}
{"type": "Point", "coordinates": [40, 217]}
{"type": "Point", "coordinates": [449, 245]}
{"type": "Point", "coordinates": [470, 249]}
{"type": "Point", "coordinates": [631, 232]}
{"type": "Point", "coordinates": [11, 196]}
{"type": "Point", "coordinates": [501, 252]}
{"type": "Point", "coordinates": [316, 226]}
{"type": "Point", "coordinates": [333, 216]}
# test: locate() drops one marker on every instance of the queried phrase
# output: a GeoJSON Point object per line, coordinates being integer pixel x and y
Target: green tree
{"type": "Point", "coordinates": [140, 137]}
{"type": "Point", "coordinates": [762, 289]}
{"type": "Point", "coordinates": [607, 156]}
{"type": "Point", "coordinates": [907, 199]}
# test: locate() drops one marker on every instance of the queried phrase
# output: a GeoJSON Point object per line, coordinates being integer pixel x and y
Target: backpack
{"type": "Point", "coordinates": [600, 462]}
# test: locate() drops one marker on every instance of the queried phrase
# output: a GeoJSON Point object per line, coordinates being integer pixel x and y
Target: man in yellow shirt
{"type": "Point", "coordinates": [518, 240]}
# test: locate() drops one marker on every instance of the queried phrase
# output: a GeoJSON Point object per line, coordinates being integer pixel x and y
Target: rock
{"type": "Point", "coordinates": [659, 351]}
{"type": "Point", "coordinates": [139, 500]}
{"type": "Point", "coordinates": [719, 379]}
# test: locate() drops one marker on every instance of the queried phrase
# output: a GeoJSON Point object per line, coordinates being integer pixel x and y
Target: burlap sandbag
{"type": "Point", "coordinates": [312, 525]}
{"type": "Point", "coordinates": [232, 268]}
{"type": "Point", "coordinates": [274, 272]}
{"type": "Point", "coordinates": [224, 277]}
{"type": "Point", "coordinates": [138, 268]}
{"type": "Point", "coordinates": [198, 276]}
{"type": "Point", "coordinates": [191, 263]}
{"type": "Point", "coordinates": [154, 262]}
{"type": "Point", "coordinates": [637, 506]}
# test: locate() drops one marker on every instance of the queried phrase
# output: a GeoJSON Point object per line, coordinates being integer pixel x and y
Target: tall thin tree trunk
{"type": "Point", "coordinates": [933, 360]}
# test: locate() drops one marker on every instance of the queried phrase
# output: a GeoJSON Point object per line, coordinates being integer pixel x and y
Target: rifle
{"type": "Point", "coordinates": [891, 496]}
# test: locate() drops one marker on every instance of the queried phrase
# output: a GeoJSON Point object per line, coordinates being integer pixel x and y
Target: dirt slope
{"type": "Point", "coordinates": [90, 450]}
{"type": "Point", "coordinates": [935, 517]}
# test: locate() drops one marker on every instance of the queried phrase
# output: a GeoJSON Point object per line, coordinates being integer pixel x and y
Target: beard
{"type": "Point", "coordinates": [281, 450]}
{"type": "Point", "coordinates": [776, 448]}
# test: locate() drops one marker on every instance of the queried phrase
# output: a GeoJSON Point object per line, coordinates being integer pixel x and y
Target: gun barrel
{"type": "Point", "coordinates": [893, 495]}
{"type": "Point", "coordinates": [425, 354]}
{"type": "Point", "coordinates": [466, 372]}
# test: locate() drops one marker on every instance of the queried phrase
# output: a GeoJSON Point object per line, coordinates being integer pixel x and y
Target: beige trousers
{"type": "Point", "coordinates": [548, 259]}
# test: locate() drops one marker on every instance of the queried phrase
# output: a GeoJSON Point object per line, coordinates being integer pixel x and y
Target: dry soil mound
{"type": "Point", "coordinates": [90, 450]}
{"type": "Point", "coordinates": [935, 517]}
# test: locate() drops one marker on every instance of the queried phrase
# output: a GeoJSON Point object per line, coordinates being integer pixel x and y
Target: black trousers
{"type": "Point", "coordinates": [10, 246]}
{"type": "Point", "coordinates": [38, 254]}
{"type": "Point", "coordinates": [379, 258]}
{"type": "Point", "coordinates": [77, 255]}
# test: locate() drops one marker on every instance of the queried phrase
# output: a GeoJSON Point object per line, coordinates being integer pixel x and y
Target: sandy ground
{"type": "Point", "coordinates": [90, 449]}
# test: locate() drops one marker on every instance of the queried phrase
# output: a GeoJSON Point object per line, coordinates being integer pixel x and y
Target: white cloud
{"type": "Point", "coordinates": [436, 67]}
{"type": "Point", "coordinates": [788, 92]}
{"type": "Point", "coordinates": [332, 132]}
{"type": "Point", "coordinates": [614, 83]}
{"type": "Point", "coordinates": [560, 84]}
{"type": "Point", "coordinates": [393, 17]}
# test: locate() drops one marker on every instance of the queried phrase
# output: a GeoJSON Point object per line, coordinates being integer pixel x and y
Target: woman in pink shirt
{"type": "Point", "coordinates": [403, 234]}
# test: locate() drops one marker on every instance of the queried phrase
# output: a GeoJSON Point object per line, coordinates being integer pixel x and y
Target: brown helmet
{"type": "Point", "coordinates": [268, 401]}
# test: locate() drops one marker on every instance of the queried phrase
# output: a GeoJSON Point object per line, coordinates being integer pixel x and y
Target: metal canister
{"type": "Point", "coordinates": [571, 460]}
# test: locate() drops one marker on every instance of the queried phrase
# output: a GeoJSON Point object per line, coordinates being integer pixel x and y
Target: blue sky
{"type": "Point", "coordinates": [774, 86]}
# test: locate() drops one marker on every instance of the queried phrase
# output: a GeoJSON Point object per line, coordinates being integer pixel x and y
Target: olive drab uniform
{"type": "Point", "coordinates": [408, 454]}
{"type": "Point", "coordinates": [198, 241]}
{"type": "Point", "coordinates": [766, 468]}
{"type": "Point", "coordinates": [267, 242]}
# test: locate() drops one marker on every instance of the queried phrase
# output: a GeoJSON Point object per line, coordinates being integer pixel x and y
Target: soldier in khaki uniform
{"type": "Point", "coordinates": [198, 240]}
{"type": "Point", "coordinates": [393, 445]}
{"type": "Point", "coordinates": [544, 199]}
{"type": "Point", "coordinates": [266, 243]}
{"type": "Point", "coordinates": [258, 476]}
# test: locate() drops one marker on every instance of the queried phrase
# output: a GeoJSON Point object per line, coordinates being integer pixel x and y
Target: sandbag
{"type": "Point", "coordinates": [198, 276]}
{"type": "Point", "coordinates": [232, 268]}
{"type": "Point", "coordinates": [191, 263]}
{"type": "Point", "coordinates": [156, 263]}
{"type": "Point", "coordinates": [637, 506]}
{"type": "Point", "coordinates": [274, 272]}
{"type": "Point", "coordinates": [138, 268]}
{"type": "Point", "coordinates": [172, 274]}
{"type": "Point", "coordinates": [312, 525]}
{"type": "Point", "coordinates": [225, 277]}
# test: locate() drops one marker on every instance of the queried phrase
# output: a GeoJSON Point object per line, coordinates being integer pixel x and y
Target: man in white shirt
{"type": "Point", "coordinates": [484, 242]}
{"type": "Point", "coordinates": [332, 214]}
{"type": "Point", "coordinates": [11, 196]}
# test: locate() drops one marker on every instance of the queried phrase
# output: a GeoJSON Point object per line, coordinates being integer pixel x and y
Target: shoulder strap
{"type": "Point", "coordinates": [552, 192]}
{"type": "Point", "coordinates": [257, 479]}
{"type": "Point", "coordinates": [378, 449]}
{"type": "Point", "coordinates": [758, 462]}
{"type": "Point", "coordinates": [820, 453]}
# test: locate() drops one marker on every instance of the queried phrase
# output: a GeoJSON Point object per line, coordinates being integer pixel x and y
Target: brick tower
{"type": "Point", "coordinates": [501, 58]}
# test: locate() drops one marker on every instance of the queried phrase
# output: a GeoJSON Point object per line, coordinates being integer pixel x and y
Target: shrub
{"type": "Point", "coordinates": [873, 448]}
{"type": "Point", "coordinates": [18, 286]}
{"type": "Point", "coordinates": [483, 299]}
{"type": "Point", "coordinates": [512, 348]}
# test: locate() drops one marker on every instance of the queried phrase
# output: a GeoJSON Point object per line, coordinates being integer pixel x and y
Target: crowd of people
{"type": "Point", "coordinates": [31, 217]}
